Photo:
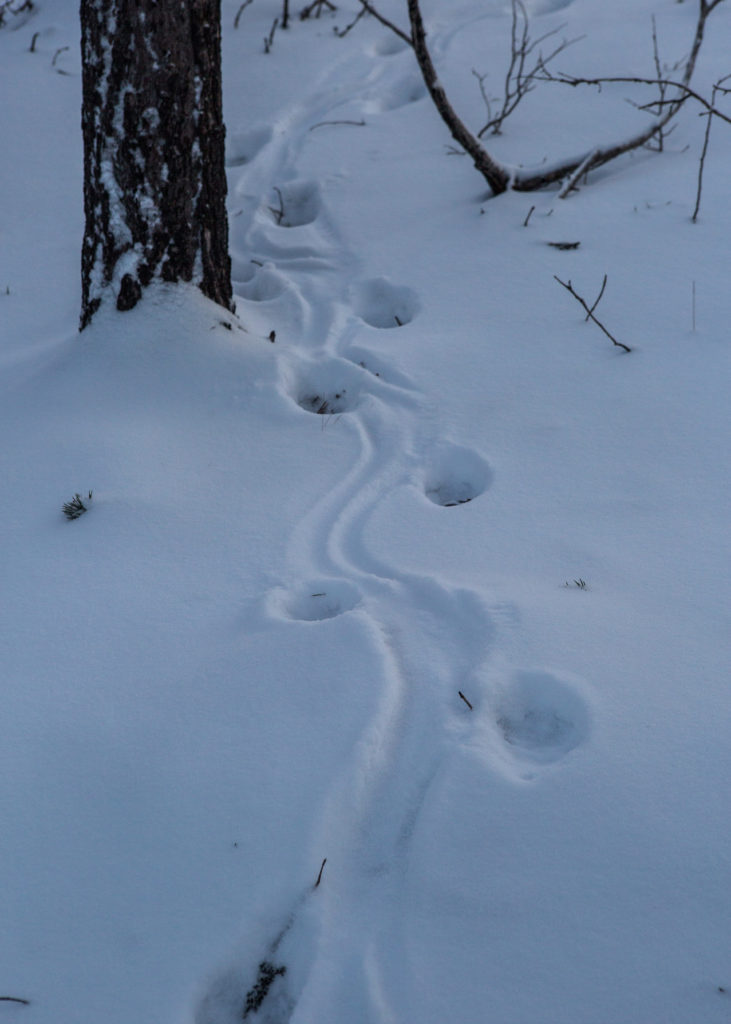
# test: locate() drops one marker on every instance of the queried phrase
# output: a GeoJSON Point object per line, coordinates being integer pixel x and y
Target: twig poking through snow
{"type": "Point", "coordinates": [590, 311]}
{"type": "Point", "coordinates": [320, 124]}
{"type": "Point", "coordinates": [319, 877]}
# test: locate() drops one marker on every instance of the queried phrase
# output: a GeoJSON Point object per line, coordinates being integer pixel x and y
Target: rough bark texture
{"type": "Point", "coordinates": [154, 173]}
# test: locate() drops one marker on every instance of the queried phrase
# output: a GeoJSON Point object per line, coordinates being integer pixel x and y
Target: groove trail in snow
{"type": "Point", "coordinates": [433, 638]}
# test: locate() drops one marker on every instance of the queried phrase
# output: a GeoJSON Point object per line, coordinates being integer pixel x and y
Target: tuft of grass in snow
{"type": "Point", "coordinates": [256, 995]}
{"type": "Point", "coordinates": [76, 507]}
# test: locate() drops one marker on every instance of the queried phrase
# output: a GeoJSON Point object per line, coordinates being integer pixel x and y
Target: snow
{"type": "Point", "coordinates": [248, 655]}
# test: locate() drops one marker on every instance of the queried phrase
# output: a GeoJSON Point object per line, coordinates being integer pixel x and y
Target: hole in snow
{"type": "Point", "coordinates": [455, 476]}
{"type": "Point", "coordinates": [329, 389]}
{"type": "Point", "coordinates": [326, 403]}
{"type": "Point", "coordinates": [382, 304]}
{"type": "Point", "coordinates": [318, 600]}
{"type": "Point", "coordinates": [294, 204]}
{"type": "Point", "coordinates": [541, 717]}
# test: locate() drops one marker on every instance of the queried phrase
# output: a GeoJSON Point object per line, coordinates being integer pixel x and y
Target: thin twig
{"type": "Point", "coordinates": [518, 81]}
{"type": "Point", "coordinates": [342, 33]}
{"type": "Point", "coordinates": [597, 300]}
{"type": "Point", "coordinates": [716, 88]}
{"type": "Point", "coordinates": [525, 222]}
{"type": "Point", "coordinates": [320, 124]}
{"type": "Point", "coordinates": [240, 11]}
{"type": "Point", "coordinates": [570, 183]}
{"type": "Point", "coordinates": [306, 12]}
{"type": "Point", "coordinates": [384, 21]}
{"type": "Point", "coordinates": [662, 88]}
{"type": "Point", "coordinates": [57, 54]}
{"type": "Point", "coordinates": [693, 308]}
{"type": "Point", "coordinates": [590, 312]}
{"type": "Point", "coordinates": [14, 999]}
{"type": "Point", "coordinates": [465, 700]}
{"type": "Point", "coordinates": [319, 877]}
{"type": "Point", "coordinates": [268, 40]}
{"type": "Point", "coordinates": [687, 92]}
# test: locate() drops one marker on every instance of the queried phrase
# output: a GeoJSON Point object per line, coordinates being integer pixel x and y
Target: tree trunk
{"type": "Point", "coordinates": [154, 173]}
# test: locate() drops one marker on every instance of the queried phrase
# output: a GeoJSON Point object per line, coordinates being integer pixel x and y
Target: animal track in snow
{"type": "Point", "coordinates": [242, 147]}
{"type": "Point", "coordinates": [455, 476]}
{"type": "Point", "coordinates": [328, 388]}
{"type": "Point", "coordinates": [382, 304]}
{"type": "Point", "coordinates": [264, 284]}
{"type": "Point", "coordinates": [317, 600]}
{"type": "Point", "coordinates": [407, 90]}
{"type": "Point", "coordinates": [540, 717]}
{"type": "Point", "coordinates": [295, 203]}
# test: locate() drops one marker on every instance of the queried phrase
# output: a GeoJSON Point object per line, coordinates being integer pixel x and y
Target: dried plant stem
{"type": "Point", "coordinates": [319, 877]}
{"type": "Point", "coordinates": [590, 310]}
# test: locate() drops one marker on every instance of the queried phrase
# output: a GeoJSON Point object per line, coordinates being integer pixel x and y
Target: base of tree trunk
{"type": "Point", "coordinates": [154, 171]}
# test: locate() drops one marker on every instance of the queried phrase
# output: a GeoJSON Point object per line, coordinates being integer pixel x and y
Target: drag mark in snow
{"type": "Point", "coordinates": [433, 639]}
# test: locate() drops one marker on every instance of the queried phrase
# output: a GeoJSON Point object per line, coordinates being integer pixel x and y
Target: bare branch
{"type": "Point", "coordinates": [598, 299]}
{"type": "Point", "coordinates": [240, 11]}
{"type": "Point", "coordinates": [319, 877]}
{"type": "Point", "coordinates": [590, 311]}
{"type": "Point", "coordinates": [518, 81]}
{"type": "Point", "coordinates": [685, 91]}
{"type": "Point", "coordinates": [384, 21]}
{"type": "Point", "coordinates": [342, 33]}
{"type": "Point", "coordinates": [321, 124]}
{"type": "Point", "coordinates": [570, 183]}
{"type": "Point", "coordinates": [307, 12]}
{"type": "Point", "coordinates": [718, 87]}
{"type": "Point", "coordinates": [497, 176]}
{"type": "Point", "coordinates": [268, 40]}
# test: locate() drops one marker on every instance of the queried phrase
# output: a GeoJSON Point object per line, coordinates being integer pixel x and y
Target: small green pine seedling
{"type": "Point", "coordinates": [76, 507]}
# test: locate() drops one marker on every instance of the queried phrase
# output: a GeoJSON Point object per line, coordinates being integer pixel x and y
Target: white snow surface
{"type": "Point", "coordinates": [248, 655]}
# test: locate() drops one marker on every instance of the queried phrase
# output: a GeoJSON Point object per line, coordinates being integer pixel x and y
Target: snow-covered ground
{"type": "Point", "coordinates": [438, 481]}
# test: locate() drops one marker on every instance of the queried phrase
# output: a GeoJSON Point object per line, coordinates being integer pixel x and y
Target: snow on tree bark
{"type": "Point", "coordinates": [154, 172]}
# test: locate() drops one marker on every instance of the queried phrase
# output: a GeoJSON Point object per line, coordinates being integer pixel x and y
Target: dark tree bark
{"type": "Point", "coordinates": [154, 173]}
